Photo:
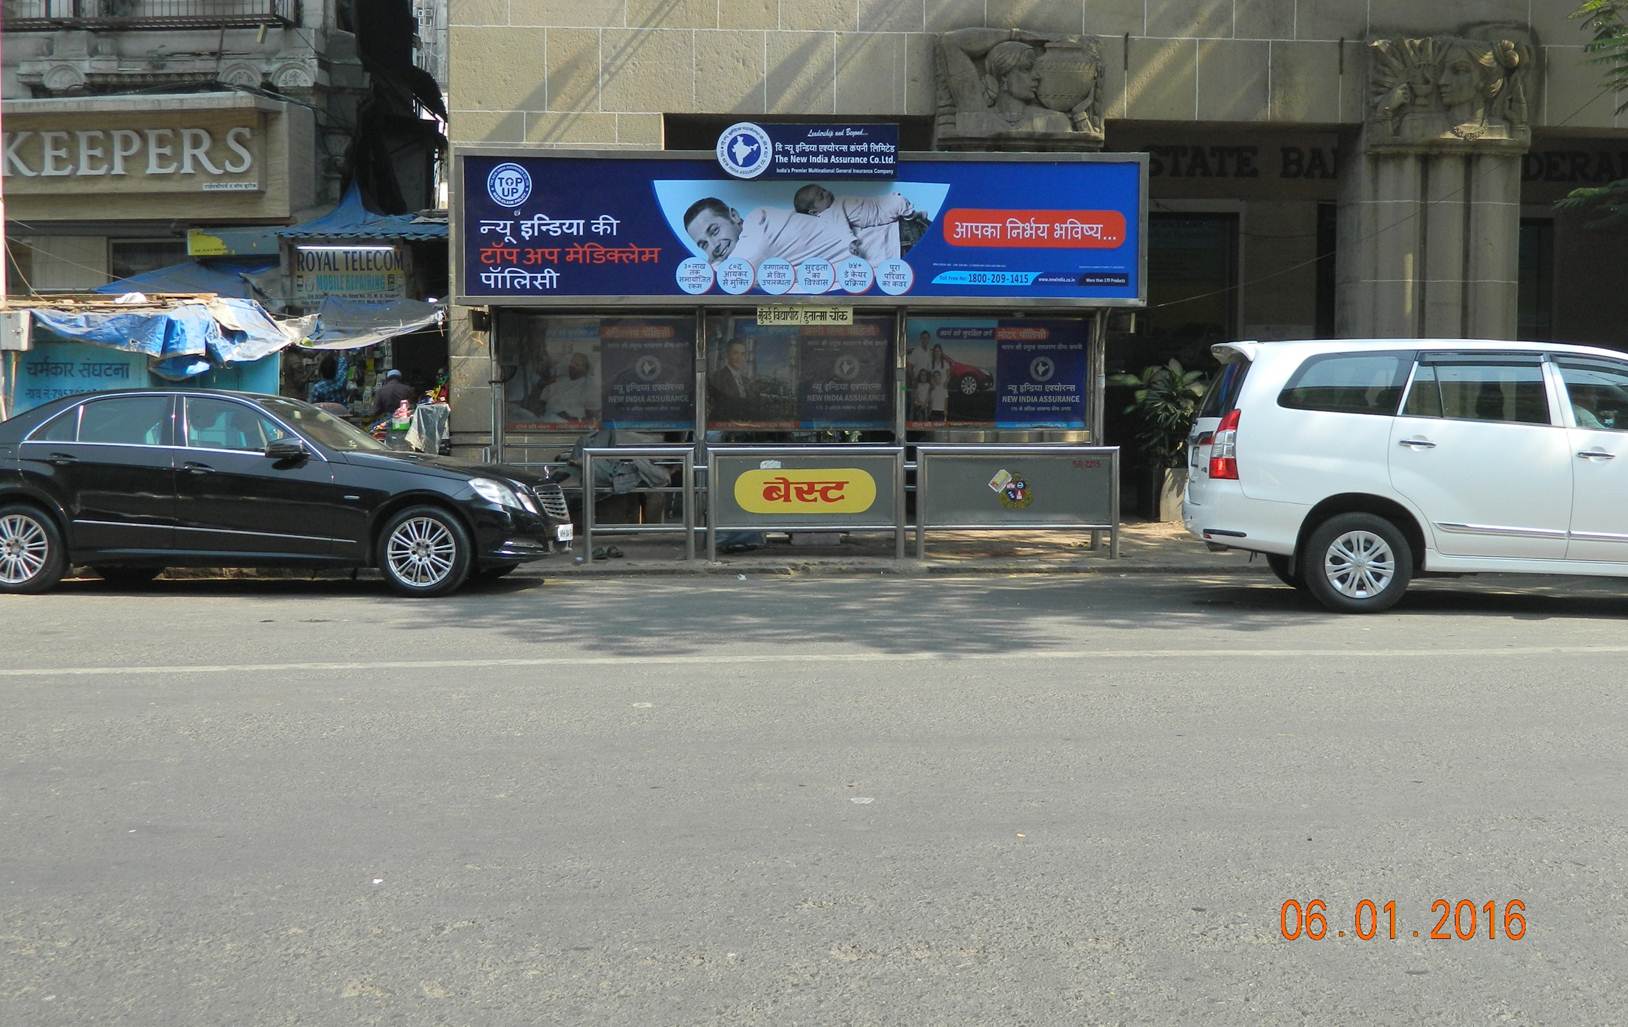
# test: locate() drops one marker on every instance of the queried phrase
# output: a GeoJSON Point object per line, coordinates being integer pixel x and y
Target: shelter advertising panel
{"type": "Point", "coordinates": [852, 489]}
{"type": "Point", "coordinates": [807, 376]}
{"type": "Point", "coordinates": [549, 229]}
{"type": "Point", "coordinates": [579, 372]}
{"type": "Point", "coordinates": [1072, 488]}
{"type": "Point", "coordinates": [1005, 373]}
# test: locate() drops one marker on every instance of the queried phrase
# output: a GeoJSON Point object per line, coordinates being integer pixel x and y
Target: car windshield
{"type": "Point", "coordinates": [322, 427]}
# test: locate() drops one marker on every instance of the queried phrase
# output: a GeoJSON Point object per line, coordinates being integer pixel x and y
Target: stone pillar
{"type": "Point", "coordinates": [1430, 199]}
{"type": "Point", "coordinates": [471, 375]}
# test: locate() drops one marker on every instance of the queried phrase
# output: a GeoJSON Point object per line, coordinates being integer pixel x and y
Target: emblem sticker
{"type": "Point", "coordinates": [744, 150]}
{"type": "Point", "coordinates": [509, 185]}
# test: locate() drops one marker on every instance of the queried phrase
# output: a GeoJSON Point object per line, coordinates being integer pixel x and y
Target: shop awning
{"type": "Point", "coordinates": [351, 220]}
{"type": "Point", "coordinates": [182, 337]}
{"type": "Point", "coordinates": [222, 277]}
{"type": "Point", "coordinates": [350, 324]}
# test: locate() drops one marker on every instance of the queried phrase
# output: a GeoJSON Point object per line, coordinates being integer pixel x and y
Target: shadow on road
{"type": "Point", "coordinates": [946, 615]}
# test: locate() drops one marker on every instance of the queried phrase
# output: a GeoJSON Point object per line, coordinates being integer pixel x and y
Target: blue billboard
{"type": "Point", "coordinates": [564, 229]}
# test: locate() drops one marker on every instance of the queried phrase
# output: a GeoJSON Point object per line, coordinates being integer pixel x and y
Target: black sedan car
{"type": "Point", "coordinates": [132, 482]}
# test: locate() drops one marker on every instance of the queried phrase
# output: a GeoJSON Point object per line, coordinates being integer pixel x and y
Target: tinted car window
{"type": "Point", "coordinates": [1224, 389]}
{"type": "Point", "coordinates": [218, 424]}
{"type": "Point", "coordinates": [1349, 383]}
{"type": "Point", "coordinates": [1489, 391]}
{"type": "Point", "coordinates": [61, 428]}
{"type": "Point", "coordinates": [322, 427]}
{"type": "Point", "coordinates": [1598, 392]}
{"type": "Point", "coordinates": [1424, 398]}
{"type": "Point", "coordinates": [130, 420]}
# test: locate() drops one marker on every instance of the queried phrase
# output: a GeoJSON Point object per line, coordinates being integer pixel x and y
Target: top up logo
{"type": "Point", "coordinates": [509, 185]}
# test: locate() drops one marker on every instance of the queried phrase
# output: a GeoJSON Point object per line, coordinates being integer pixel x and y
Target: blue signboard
{"type": "Point", "coordinates": [746, 150]}
{"type": "Point", "coordinates": [557, 229]}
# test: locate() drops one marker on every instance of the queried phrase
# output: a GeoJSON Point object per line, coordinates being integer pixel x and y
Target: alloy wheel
{"type": "Point", "coordinates": [1359, 564]}
{"type": "Point", "coordinates": [24, 548]}
{"type": "Point", "coordinates": [421, 551]}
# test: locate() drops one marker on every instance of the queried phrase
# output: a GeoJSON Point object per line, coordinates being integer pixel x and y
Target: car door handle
{"type": "Point", "coordinates": [193, 467]}
{"type": "Point", "coordinates": [1417, 443]}
{"type": "Point", "coordinates": [1596, 454]}
{"type": "Point", "coordinates": [62, 459]}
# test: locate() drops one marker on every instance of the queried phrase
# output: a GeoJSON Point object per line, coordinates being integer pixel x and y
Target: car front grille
{"type": "Point", "coordinates": [552, 499]}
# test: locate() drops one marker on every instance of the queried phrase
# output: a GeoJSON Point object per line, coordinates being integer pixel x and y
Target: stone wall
{"type": "Point", "coordinates": [600, 73]}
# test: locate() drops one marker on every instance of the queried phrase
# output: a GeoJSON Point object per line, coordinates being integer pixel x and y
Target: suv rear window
{"type": "Point", "coordinates": [1224, 389]}
{"type": "Point", "coordinates": [1349, 383]}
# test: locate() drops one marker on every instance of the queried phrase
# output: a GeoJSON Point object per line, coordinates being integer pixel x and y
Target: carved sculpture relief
{"type": "Point", "coordinates": [1025, 90]}
{"type": "Point", "coordinates": [1449, 90]}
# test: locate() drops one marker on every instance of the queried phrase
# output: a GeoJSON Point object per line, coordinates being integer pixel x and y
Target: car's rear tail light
{"type": "Point", "coordinates": [1224, 449]}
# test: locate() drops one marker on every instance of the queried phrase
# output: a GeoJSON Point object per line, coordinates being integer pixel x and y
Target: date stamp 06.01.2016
{"type": "Point", "coordinates": [1460, 920]}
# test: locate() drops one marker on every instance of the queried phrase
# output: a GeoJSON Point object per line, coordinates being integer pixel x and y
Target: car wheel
{"type": "Point", "coordinates": [1280, 565]}
{"type": "Point", "coordinates": [32, 558]}
{"type": "Point", "coordinates": [424, 551]}
{"type": "Point", "coordinates": [128, 575]}
{"type": "Point", "coordinates": [967, 385]}
{"type": "Point", "coordinates": [1357, 563]}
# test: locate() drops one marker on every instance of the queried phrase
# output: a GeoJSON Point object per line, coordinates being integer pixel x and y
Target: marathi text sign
{"type": "Point", "coordinates": [542, 229]}
{"type": "Point", "coordinates": [52, 370]}
{"type": "Point", "coordinates": [852, 489]}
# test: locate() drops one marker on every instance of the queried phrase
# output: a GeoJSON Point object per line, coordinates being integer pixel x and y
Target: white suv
{"type": "Point", "coordinates": [1356, 465]}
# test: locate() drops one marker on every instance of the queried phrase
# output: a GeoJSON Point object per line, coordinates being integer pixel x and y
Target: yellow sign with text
{"type": "Point", "coordinates": [830, 490]}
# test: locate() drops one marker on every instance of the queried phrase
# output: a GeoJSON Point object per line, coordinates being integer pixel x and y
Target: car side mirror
{"type": "Point", "coordinates": [286, 449]}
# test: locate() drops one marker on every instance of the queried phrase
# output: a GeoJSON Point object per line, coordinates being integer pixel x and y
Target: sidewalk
{"type": "Point", "coordinates": [1144, 548]}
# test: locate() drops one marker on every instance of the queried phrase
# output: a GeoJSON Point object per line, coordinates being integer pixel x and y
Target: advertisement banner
{"type": "Point", "coordinates": [985, 372]}
{"type": "Point", "coordinates": [580, 372]}
{"type": "Point", "coordinates": [551, 228]}
{"type": "Point", "coordinates": [373, 273]}
{"type": "Point", "coordinates": [810, 376]}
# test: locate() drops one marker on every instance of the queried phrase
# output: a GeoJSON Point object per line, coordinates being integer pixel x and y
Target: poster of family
{"type": "Point", "coordinates": [563, 229]}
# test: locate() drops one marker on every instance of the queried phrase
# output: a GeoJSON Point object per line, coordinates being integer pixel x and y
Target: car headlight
{"type": "Point", "coordinates": [496, 492]}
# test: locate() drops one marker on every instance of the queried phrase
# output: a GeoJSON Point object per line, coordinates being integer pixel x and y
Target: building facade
{"type": "Point", "coordinates": [1316, 167]}
{"type": "Point", "coordinates": [127, 122]}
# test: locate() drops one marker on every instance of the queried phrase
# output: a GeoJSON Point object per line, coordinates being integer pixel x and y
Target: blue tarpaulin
{"type": "Point", "coordinates": [181, 340]}
{"type": "Point", "coordinates": [352, 220]}
{"type": "Point", "coordinates": [222, 277]}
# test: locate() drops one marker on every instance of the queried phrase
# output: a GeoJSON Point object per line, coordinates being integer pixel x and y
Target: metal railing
{"type": "Point", "coordinates": [684, 455]}
{"type": "Point", "coordinates": [1010, 521]}
{"type": "Point", "coordinates": [141, 15]}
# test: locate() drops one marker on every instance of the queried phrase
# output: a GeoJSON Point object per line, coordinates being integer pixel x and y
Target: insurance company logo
{"type": "Point", "coordinates": [825, 490]}
{"type": "Point", "coordinates": [744, 150]}
{"type": "Point", "coordinates": [648, 368]}
{"type": "Point", "coordinates": [1042, 368]}
{"type": "Point", "coordinates": [509, 185]}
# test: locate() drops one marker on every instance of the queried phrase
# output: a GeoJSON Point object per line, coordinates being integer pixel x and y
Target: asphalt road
{"type": "Point", "coordinates": [1068, 799]}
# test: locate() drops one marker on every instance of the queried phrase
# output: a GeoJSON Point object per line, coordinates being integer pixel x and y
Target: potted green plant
{"type": "Point", "coordinates": [1164, 402]}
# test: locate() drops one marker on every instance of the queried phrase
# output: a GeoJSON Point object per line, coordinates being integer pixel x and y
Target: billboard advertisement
{"type": "Point", "coordinates": [562, 229]}
{"type": "Point", "coordinates": [990, 372]}
{"type": "Point", "coordinates": [581, 372]}
{"type": "Point", "coordinates": [807, 376]}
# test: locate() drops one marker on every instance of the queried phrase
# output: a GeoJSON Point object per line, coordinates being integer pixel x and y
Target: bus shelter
{"type": "Point", "coordinates": [678, 298]}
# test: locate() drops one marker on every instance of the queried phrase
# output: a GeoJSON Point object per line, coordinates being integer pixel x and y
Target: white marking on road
{"type": "Point", "coordinates": [748, 659]}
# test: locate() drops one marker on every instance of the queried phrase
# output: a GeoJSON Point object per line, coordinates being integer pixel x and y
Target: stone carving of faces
{"type": "Point", "coordinates": [1012, 65]}
{"type": "Point", "coordinates": [1460, 80]}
